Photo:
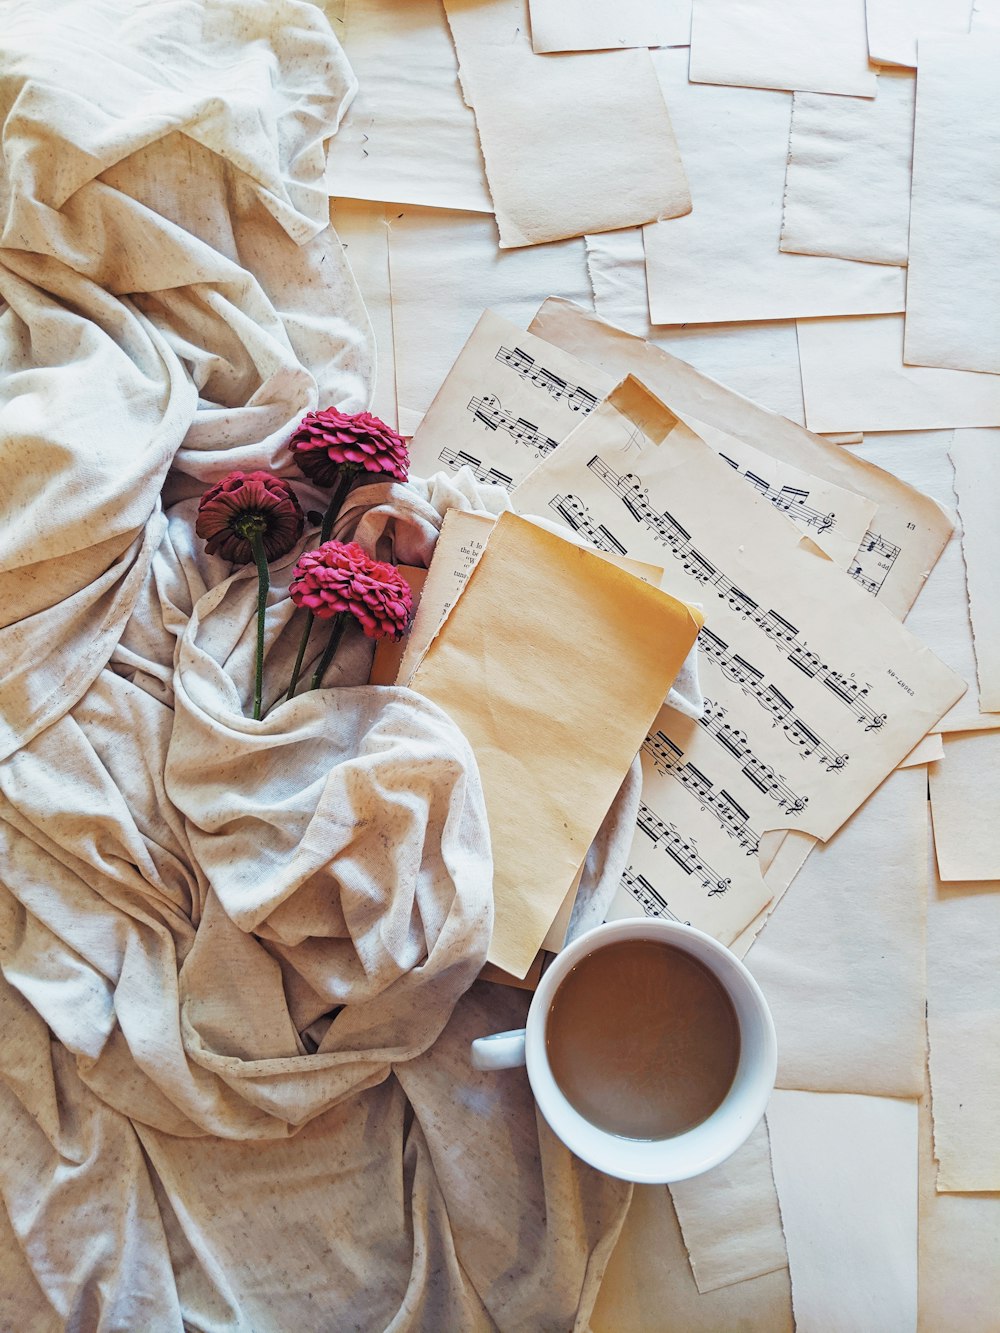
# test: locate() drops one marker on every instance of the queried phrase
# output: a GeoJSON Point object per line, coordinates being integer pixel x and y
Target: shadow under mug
{"type": "Point", "coordinates": [648, 1161]}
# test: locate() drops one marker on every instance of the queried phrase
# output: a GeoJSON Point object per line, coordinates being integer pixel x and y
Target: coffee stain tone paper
{"type": "Point", "coordinates": [594, 25]}
{"type": "Point", "coordinates": [894, 26]}
{"type": "Point", "coordinates": [721, 263]}
{"type": "Point", "coordinates": [953, 288]}
{"type": "Point", "coordinates": [811, 46]}
{"type": "Point", "coordinates": [911, 529]}
{"type": "Point", "coordinates": [976, 458]}
{"type": "Point", "coordinates": [847, 182]}
{"type": "Point", "coordinates": [437, 305]}
{"type": "Point", "coordinates": [965, 802]}
{"type": "Point", "coordinates": [408, 137]}
{"type": "Point", "coordinates": [813, 692]}
{"type": "Point", "coordinates": [551, 129]}
{"type": "Point", "coordinates": [553, 662]}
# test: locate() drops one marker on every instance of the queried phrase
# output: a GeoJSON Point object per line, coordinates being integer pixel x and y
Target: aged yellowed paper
{"type": "Point", "coordinates": [976, 459]}
{"type": "Point", "coordinates": [594, 25]}
{"type": "Point", "coordinates": [965, 803]}
{"type": "Point", "coordinates": [555, 729]}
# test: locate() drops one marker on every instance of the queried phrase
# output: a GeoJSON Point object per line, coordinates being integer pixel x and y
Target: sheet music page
{"type": "Point", "coordinates": [509, 399]}
{"type": "Point", "coordinates": [814, 692]}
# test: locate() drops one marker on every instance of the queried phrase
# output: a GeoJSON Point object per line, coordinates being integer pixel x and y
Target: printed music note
{"type": "Point", "coordinates": [651, 902]}
{"type": "Point", "coordinates": [683, 851]}
{"type": "Point", "coordinates": [668, 758]}
{"type": "Point", "coordinates": [577, 398]}
{"type": "Point", "coordinates": [574, 512]}
{"type": "Point", "coordinates": [456, 458]}
{"type": "Point", "coordinates": [489, 411]}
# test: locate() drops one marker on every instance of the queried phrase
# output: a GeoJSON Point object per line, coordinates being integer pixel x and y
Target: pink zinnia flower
{"type": "Point", "coordinates": [328, 443]}
{"type": "Point", "coordinates": [243, 503]}
{"type": "Point", "coordinates": [338, 578]}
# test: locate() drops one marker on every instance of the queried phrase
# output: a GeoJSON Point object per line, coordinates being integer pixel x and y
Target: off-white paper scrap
{"type": "Point", "coordinates": [408, 137]}
{"type": "Point", "coordinates": [792, 853]}
{"type": "Point", "coordinates": [911, 530]}
{"type": "Point", "coordinates": [853, 378]}
{"type": "Point", "coordinates": [554, 732]}
{"type": "Point", "coordinates": [848, 1002]}
{"type": "Point", "coordinates": [722, 262]}
{"type": "Point", "coordinates": [953, 287]}
{"type": "Point", "coordinates": [811, 46]}
{"type": "Point", "coordinates": [594, 25]}
{"type": "Point", "coordinates": [963, 1019]}
{"type": "Point", "coordinates": [788, 639]}
{"type": "Point", "coordinates": [365, 240]}
{"type": "Point", "coordinates": [557, 160]}
{"type": "Point", "coordinates": [446, 269]}
{"type": "Point", "coordinates": [847, 182]}
{"type": "Point", "coordinates": [975, 455]}
{"type": "Point", "coordinates": [965, 803]}
{"type": "Point", "coordinates": [729, 1217]}
{"type": "Point", "coordinates": [760, 360]}
{"type": "Point", "coordinates": [895, 25]}
{"type": "Point", "coordinates": [927, 751]}
{"type": "Point", "coordinates": [509, 400]}
{"type": "Point", "coordinates": [845, 1168]}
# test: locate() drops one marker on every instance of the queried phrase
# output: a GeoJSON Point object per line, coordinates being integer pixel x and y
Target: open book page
{"type": "Point", "coordinates": [814, 692]}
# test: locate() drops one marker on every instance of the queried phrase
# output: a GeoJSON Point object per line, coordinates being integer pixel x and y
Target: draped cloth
{"type": "Point", "coordinates": [237, 958]}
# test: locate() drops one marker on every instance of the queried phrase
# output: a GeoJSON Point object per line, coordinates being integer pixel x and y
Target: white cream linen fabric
{"type": "Point", "coordinates": [235, 956]}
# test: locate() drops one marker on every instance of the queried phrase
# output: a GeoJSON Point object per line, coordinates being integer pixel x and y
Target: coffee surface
{"type": "Point", "coordinates": [642, 1039]}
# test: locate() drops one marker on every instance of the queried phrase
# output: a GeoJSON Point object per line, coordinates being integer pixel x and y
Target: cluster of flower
{"type": "Point", "coordinates": [256, 516]}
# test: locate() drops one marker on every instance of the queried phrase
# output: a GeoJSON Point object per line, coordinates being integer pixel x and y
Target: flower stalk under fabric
{"type": "Point", "coordinates": [333, 643]}
{"type": "Point", "coordinates": [263, 587]}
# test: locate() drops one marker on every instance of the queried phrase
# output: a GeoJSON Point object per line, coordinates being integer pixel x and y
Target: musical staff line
{"type": "Point", "coordinates": [668, 759]}
{"type": "Point", "coordinates": [683, 851]}
{"type": "Point", "coordinates": [651, 902]}
{"type": "Point", "coordinates": [790, 500]}
{"type": "Point", "coordinates": [572, 509]}
{"type": "Point", "coordinates": [886, 554]}
{"type": "Point", "coordinates": [456, 458]}
{"type": "Point", "coordinates": [576, 397]}
{"type": "Point", "coordinates": [762, 775]}
{"type": "Point", "coordinates": [490, 412]}
{"type": "Point", "coordinates": [779, 631]}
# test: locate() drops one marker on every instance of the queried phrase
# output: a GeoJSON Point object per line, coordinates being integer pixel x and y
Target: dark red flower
{"type": "Point", "coordinates": [328, 442]}
{"type": "Point", "coordinates": [245, 502]}
{"type": "Point", "coordinates": [339, 577]}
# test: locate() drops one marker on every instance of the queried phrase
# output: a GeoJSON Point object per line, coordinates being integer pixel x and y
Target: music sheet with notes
{"type": "Point", "coordinates": [814, 692]}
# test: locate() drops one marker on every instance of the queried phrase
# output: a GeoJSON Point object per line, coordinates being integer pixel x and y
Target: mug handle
{"type": "Point", "coordinates": [501, 1050]}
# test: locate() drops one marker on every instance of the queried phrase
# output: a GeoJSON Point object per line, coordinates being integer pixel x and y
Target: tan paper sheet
{"type": "Point", "coordinates": [408, 137]}
{"type": "Point", "coordinates": [841, 958]}
{"type": "Point", "coordinates": [722, 262]}
{"type": "Point", "coordinates": [975, 455]}
{"type": "Point", "coordinates": [788, 639]}
{"type": "Point", "coordinates": [927, 751]}
{"type": "Point", "coordinates": [594, 25]}
{"type": "Point", "coordinates": [963, 1020]}
{"type": "Point", "coordinates": [847, 182]}
{"type": "Point", "coordinates": [509, 399]}
{"type": "Point", "coordinates": [953, 287]}
{"type": "Point", "coordinates": [811, 46]}
{"type": "Point", "coordinates": [365, 240]}
{"type": "Point", "coordinates": [555, 731]}
{"type": "Point", "coordinates": [557, 162]}
{"type": "Point", "coordinates": [895, 25]}
{"type": "Point", "coordinates": [853, 378]}
{"type": "Point", "coordinates": [912, 529]}
{"type": "Point", "coordinates": [436, 304]}
{"type": "Point", "coordinates": [965, 801]}
{"type": "Point", "coordinates": [729, 1217]}
{"type": "Point", "coordinates": [760, 360]}
{"type": "Point", "coordinates": [649, 1287]}
{"type": "Point", "coordinates": [389, 652]}
{"type": "Point", "coordinates": [845, 1168]}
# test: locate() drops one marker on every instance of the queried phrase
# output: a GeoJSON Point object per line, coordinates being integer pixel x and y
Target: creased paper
{"type": "Point", "coordinates": [791, 855]}
{"type": "Point", "coordinates": [847, 182]}
{"type": "Point", "coordinates": [722, 262]}
{"type": "Point", "coordinates": [848, 1003]}
{"type": "Point", "coordinates": [953, 287]}
{"type": "Point", "coordinates": [845, 1168]}
{"type": "Point", "coordinates": [965, 801]}
{"type": "Point", "coordinates": [554, 732]}
{"type": "Point", "coordinates": [812, 46]}
{"type": "Point", "coordinates": [729, 1217]}
{"type": "Point", "coordinates": [927, 751]}
{"type": "Point", "coordinates": [788, 639]}
{"type": "Point", "coordinates": [963, 1019]}
{"type": "Point", "coordinates": [895, 25]}
{"type": "Point", "coordinates": [911, 530]}
{"type": "Point", "coordinates": [853, 378]}
{"type": "Point", "coordinates": [760, 360]}
{"type": "Point", "coordinates": [551, 129]}
{"type": "Point", "coordinates": [594, 25]}
{"type": "Point", "coordinates": [408, 138]}
{"type": "Point", "coordinates": [436, 304]}
{"type": "Point", "coordinates": [365, 241]}
{"type": "Point", "coordinates": [976, 459]}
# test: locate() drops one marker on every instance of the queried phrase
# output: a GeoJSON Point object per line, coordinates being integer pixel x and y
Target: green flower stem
{"type": "Point", "coordinates": [263, 585]}
{"type": "Point", "coordinates": [336, 634]}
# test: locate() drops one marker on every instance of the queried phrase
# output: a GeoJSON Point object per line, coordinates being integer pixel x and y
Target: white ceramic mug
{"type": "Point", "coordinates": [648, 1161]}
